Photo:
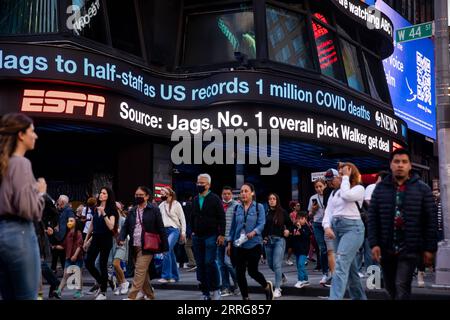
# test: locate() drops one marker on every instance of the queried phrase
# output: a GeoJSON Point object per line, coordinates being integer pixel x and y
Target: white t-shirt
{"type": "Point", "coordinates": [88, 218]}
{"type": "Point", "coordinates": [318, 216]}
{"type": "Point", "coordinates": [369, 191]}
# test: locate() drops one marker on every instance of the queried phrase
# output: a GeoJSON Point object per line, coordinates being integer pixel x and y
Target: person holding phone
{"type": "Point", "coordinates": [316, 211]}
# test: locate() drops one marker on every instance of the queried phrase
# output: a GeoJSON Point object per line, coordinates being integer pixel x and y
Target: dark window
{"type": "Point", "coordinates": [215, 37]}
{"type": "Point", "coordinates": [123, 26]}
{"type": "Point", "coordinates": [375, 77]}
{"type": "Point", "coordinates": [351, 65]}
{"type": "Point", "coordinates": [288, 38]}
{"type": "Point", "coordinates": [87, 18]}
{"type": "Point", "coordinates": [28, 17]}
{"type": "Point", "coordinates": [326, 49]}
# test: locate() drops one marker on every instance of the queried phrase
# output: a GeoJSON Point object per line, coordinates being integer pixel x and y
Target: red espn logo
{"type": "Point", "coordinates": [61, 102]}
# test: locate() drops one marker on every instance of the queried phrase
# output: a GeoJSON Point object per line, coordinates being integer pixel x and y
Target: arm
{"type": "Point", "coordinates": [124, 230]}
{"type": "Point", "coordinates": [373, 227]}
{"type": "Point", "coordinates": [351, 194]}
{"type": "Point", "coordinates": [261, 219]}
{"type": "Point", "coordinates": [182, 218]}
{"type": "Point", "coordinates": [288, 222]}
{"type": "Point", "coordinates": [79, 247]}
{"type": "Point", "coordinates": [232, 231]}
{"type": "Point", "coordinates": [326, 222]}
{"type": "Point", "coordinates": [89, 233]}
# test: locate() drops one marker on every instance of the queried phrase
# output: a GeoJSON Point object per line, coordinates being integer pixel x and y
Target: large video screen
{"type": "Point", "coordinates": [410, 77]}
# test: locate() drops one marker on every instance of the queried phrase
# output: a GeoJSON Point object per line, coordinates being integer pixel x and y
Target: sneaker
{"type": "Point", "coordinates": [216, 295]}
{"type": "Point", "coordinates": [269, 291]}
{"type": "Point", "coordinates": [101, 296]}
{"type": "Point", "coordinates": [283, 279]}
{"type": "Point", "coordinates": [289, 262]}
{"type": "Point", "coordinates": [361, 275]}
{"type": "Point", "coordinates": [236, 292]}
{"type": "Point", "coordinates": [124, 287]}
{"type": "Point", "coordinates": [420, 280]}
{"type": "Point", "coordinates": [192, 269]}
{"type": "Point", "coordinates": [328, 282]}
{"type": "Point", "coordinates": [162, 280]}
{"type": "Point", "coordinates": [112, 283]}
{"type": "Point", "coordinates": [323, 280]}
{"type": "Point", "coordinates": [78, 294]}
{"type": "Point", "coordinates": [93, 290]}
{"type": "Point", "coordinates": [142, 296]}
{"type": "Point", "coordinates": [171, 280]}
{"type": "Point", "coordinates": [304, 284]}
{"type": "Point", "coordinates": [298, 284]}
{"type": "Point", "coordinates": [117, 291]}
{"type": "Point", "coordinates": [40, 296]}
{"type": "Point", "coordinates": [277, 293]}
{"type": "Point", "coordinates": [226, 293]}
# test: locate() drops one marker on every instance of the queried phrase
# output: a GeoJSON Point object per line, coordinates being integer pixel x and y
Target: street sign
{"type": "Point", "coordinates": [418, 31]}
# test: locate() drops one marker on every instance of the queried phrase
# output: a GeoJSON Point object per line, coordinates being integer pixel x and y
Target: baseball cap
{"type": "Point", "coordinates": [330, 174]}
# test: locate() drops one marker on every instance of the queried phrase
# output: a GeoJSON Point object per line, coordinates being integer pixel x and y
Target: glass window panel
{"type": "Point", "coordinates": [292, 45]}
{"type": "Point", "coordinates": [375, 71]}
{"type": "Point", "coordinates": [327, 52]}
{"type": "Point", "coordinates": [351, 65]}
{"type": "Point", "coordinates": [28, 17]}
{"type": "Point", "coordinates": [215, 37]}
{"type": "Point", "coordinates": [123, 26]}
{"type": "Point", "coordinates": [87, 19]}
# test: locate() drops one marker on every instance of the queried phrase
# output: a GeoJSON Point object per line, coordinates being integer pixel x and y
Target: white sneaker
{"type": "Point", "coordinates": [117, 291]}
{"type": "Point", "coordinates": [420, 280]}
{"type": "Point", "coordinates": [289, 262]}
{"type": "Point", "coordinates": [101, 296]}
{"type": "Point", "coordinates": [277, 293]}
{"type": "Point", "coordinates": [124, 287]}
{"type": "Point", "coordinates": [298, 284]}
{"type": "Point", "coordinates": [216, 295]}
{"type": "Point", "coordinates": [361, 275]}
{"type": "Point", "coordinates": [323, 280]}
{"type": "Point", "coordinates": [162, 280]}
{"type": "Point", "coordinates": [305, 284]}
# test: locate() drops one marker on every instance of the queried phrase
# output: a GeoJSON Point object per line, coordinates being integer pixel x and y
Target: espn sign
{"type": "Point", "coordinates": [49, 101]}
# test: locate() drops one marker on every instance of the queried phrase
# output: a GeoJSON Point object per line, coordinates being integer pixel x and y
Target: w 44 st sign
{"type": "Point", "coordinates": [418, 31]}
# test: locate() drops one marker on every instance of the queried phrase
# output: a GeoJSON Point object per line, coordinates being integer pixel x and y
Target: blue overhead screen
{"type": "Point", "coordinates": [410, 76]}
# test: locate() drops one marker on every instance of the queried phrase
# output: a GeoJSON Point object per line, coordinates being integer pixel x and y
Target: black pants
{"type": "Point", "coordinates": [248, 259]}
{"type": "Point", "coordinates": [100, 244]}
{"type": "Point", "coordinates": [58, 254]}
{"type": "Point", "coordinates": [398, 271]}
{"type": "Point", "coordinates": [49, 276]}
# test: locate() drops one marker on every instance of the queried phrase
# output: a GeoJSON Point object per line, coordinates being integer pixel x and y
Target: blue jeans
{"type": "Point", "coordinates": [274, 253]}
{"type": "Point", "coordinates": [225, 267]}
{"type": "Point", "coordinates": [364, 253]}
{"type": "Point", "coordinates": [349, 238]}
{"type": "Point", "coordinates": [20, 263]}
{"type": "Point", "coordinates": [169, 266]}
{"type": "Point", "coordinates": [302, 274]}
{"type": "Point", "coordinates": [205, 252]}
{"type": "Point", "coordinates": [319, 234]}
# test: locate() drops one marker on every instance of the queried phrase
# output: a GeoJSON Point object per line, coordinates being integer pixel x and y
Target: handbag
{"type": "Point", "coordinates": [152, 241]}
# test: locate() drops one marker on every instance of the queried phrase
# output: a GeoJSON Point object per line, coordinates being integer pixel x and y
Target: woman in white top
{"type": "Point", "coordinates": [342, 222]}
{"type": "Point", "coordinates": [175, 224]}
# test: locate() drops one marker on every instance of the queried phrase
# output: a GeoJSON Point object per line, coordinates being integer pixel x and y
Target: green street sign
{"type": "Point", "coordinates": [418, 31]}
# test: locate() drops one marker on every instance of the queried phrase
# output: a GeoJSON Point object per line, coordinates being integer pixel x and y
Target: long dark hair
{"type": "Point", "coordinates": [278, 216]}
{"type": "Point", "coordinates": [10, 125]}
{"type": "Point", "coordinates": [110, 206]}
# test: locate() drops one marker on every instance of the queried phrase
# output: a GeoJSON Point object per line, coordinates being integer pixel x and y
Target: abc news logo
{"type": "Point", "coordinates": [386, 122]}
{"type": "Point", "coordinates": [49, 101]}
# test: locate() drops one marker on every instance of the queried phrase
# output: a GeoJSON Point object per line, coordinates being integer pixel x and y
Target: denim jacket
{"type": "Point", "coordinates": [255, 222]}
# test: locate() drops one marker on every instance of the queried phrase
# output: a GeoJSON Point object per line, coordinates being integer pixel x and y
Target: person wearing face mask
{"type": "Point", "coordinates": [175, 224]}
{"type": "Point", "coordinates": [73, 250]}
{"type": "Point", "coordinates": [144, 216]}
{"type": "Point", "coordinates": [208, 231]}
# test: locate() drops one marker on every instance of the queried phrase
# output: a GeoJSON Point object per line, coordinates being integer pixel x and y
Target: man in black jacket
{"type": "Point", "coordinates": [402, 225]}
{"type": "Point", "coordinates": [208, 231]}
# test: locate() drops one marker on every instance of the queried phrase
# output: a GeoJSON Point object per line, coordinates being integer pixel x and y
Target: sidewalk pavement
{"type": "Point", "coordinates": [188, 282]}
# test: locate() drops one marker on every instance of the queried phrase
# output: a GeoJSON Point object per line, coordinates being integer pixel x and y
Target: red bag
{"type": "Point", "coordinates": [152, 241]}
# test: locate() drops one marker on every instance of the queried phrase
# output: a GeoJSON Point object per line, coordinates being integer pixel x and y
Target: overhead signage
{"type": "Point", "coordinates": [124, 112]}
{"type": "Point", "coordinates": [410, 77]}
{"type": "Point", "coordinates": [415, 32]}
{"type": "Point", "coordinates": [71, 66]}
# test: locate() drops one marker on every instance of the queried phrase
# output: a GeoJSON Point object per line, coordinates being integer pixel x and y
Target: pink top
{"type": "Point", "coordinates": [18, 191]}
{"type": "Point", "coordinates": [137, 242]}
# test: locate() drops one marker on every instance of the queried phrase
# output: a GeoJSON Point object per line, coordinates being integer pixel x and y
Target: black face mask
{"type": "Point", "coordinates": [163, 198]}
{"type": "Point", "coordinates": [200, 189]}
{"type": "Point", "coordinates": [139, 200]}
